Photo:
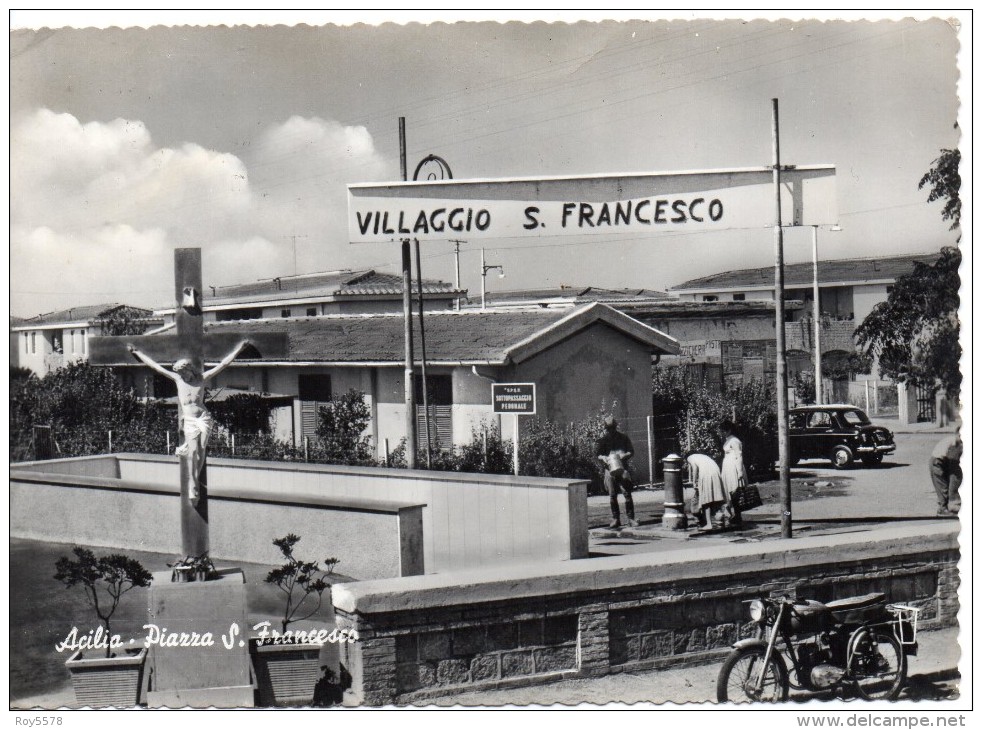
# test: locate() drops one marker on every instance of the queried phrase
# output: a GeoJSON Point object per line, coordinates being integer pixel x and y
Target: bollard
{"type": "Point", "coordinates": [674, 517]}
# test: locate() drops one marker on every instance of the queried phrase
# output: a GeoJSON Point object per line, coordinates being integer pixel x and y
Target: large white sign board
{"type": "Point", "coordinates": [713, 200]}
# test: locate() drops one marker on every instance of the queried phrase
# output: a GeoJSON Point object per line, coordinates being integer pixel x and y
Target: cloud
{"type": "Point", "coordinates": [97, 208]}
{"type": "Point", "coordinates": [299, 170]}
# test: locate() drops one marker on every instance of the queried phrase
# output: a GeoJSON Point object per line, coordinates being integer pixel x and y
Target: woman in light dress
{"type": "Point", "coordinates": [710, 498]}
{"type": "Point", "coordinates": [734, 471]}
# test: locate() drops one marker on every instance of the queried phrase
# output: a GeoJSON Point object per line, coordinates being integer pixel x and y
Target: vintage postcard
{"type": "Point", "coordinates": [496, 360]}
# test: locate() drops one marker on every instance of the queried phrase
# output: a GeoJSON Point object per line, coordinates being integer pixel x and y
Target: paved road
{"type": "Point", "coordinates": [898, 488]}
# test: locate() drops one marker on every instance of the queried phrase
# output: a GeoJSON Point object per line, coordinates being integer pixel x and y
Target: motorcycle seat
{"type": "Point", "coordinates": [857, 603]}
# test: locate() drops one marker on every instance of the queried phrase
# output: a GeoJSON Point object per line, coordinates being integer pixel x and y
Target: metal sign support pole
{"type": "Point", "coordinates": [407, 309]}
{"type": "Point", "coordinates": [782, 364]}
{"type": "Point", "coordinates": [816, 295]}
{"type": "Point", "coordinates": [422, 356]}
{"type": "Point", "coordinates": [515, 445]}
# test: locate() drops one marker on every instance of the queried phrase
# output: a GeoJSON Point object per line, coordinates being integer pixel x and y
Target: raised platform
{"type": "Point", "coordinates": [192, 615]}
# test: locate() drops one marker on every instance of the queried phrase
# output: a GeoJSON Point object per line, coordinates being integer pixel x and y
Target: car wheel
{"type": "Point", "coordinates": [841, 457]}
{"type": "Point", "coordinates": [872, 459]}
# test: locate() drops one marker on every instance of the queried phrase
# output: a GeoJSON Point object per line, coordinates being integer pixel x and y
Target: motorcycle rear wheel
{"type": "Point", "coordinates": [879, 665]}
{"type": "Point", "coordinates": [739, 672]}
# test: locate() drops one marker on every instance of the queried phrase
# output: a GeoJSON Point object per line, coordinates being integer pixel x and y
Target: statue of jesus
{"type": "Point", "coordinates": [195, 419]}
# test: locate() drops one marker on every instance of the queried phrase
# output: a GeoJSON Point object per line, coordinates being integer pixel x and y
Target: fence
{"type": "Point", "coordinates": [571, 455]}
{"type": "Point", "coordinates": [876, 397]}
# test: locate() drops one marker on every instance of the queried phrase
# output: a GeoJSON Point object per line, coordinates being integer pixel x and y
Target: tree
{"type": "Point", "coordinates": [243, 413]}
{"type": "Point", "coordinates": [342, 423]}
{"type": "Point", "coordinates": [299, 580]}
{"type": "Point", "coordinates": [945, 182]}
{"type": "Point", "coordinates": [914, 333]}
{"type": "Point", "coordinates": [82, 403]}
{"type": "Point", "coordinates": [110, 577]}
{"type": "Point", "coordinates": [124, 320]}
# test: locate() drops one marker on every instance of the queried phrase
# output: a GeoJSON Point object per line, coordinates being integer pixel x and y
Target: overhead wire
{"type": "Point", "coordinates": [585, 110]}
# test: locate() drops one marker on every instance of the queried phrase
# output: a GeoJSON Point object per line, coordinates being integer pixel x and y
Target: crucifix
{"type": "Point", "coordinates": [188, 351]}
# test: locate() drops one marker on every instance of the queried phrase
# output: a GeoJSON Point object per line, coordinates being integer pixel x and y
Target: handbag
{"type": "Point", "coordinates": [746, 498]}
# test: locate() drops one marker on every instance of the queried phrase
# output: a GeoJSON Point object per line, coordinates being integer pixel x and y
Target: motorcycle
{"type": "Point", "coordinates": [858, 644]}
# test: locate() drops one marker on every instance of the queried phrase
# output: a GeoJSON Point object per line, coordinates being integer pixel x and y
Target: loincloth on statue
{"type": "Point", "coordinates": [196, 429]}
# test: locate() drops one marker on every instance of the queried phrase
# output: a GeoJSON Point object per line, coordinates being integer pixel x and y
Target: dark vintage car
{"type": "Point", "coordinates": [840, 433]}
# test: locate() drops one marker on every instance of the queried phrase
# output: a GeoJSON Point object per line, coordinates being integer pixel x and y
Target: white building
{"type": "Point", "coordinates": [47, 342]}
{"type": "Point", "coordinates": [849, 288]}
{"type": "Point", "coordinates": [313, 295]}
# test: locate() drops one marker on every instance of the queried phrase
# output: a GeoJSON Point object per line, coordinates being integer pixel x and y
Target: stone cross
{"type": "Point", "coordinates": [190, 343]}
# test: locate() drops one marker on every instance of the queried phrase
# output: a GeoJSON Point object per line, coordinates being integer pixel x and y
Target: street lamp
{"type": "Point", "coordinates": [485, 268]}
{"type": "Point", "coordinates": [817, 314]}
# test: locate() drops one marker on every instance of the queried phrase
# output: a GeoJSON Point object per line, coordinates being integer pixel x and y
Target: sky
{"type": "Point", "coordinates": [128, 143]}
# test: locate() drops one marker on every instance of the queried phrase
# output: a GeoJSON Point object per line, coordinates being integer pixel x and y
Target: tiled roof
{"type": "Point", "coordinates": [78, 314]}
{"type": "Point", "coordinates": [576, 294]}
{"type": "Point", "coordinates": [676, 308]}
{"type": "Point", "coordinates": [451, 337]}
{"type": "Point", "coordinates": [851, 271]}
{"type": "Point", "coordinates": [328, 284]}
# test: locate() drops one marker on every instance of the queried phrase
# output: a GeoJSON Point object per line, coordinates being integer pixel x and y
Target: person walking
{"type": "Point", "coordinates": [710, 498]}
{"type": "Point", "coordinates": [946, 473]}
{"type": "Point", "coordinates": [614, 450]}
{"type": "Point", "coordinates": [733, 471]}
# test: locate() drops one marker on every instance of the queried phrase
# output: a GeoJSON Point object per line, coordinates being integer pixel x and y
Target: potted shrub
{"type": "Point", "coordinates": [192, 568]}
{"type": "Point", "coordinates": [288, 667]}
{"type": "Point", "coordinates": [104, 674]}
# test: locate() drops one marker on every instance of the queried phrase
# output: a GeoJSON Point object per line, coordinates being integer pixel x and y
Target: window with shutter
{"type": "Point", "coordinates": [441, 427]}
{"type": "Point", "coordinates": [314, 391]}
{"type": "Point", "coordinates": [439, 392]}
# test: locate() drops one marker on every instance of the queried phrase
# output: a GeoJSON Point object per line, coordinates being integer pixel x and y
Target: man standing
{"type": "Point", "coordinates": [946, 474]}
{"type": "Point", "coordinates": [615, 449]}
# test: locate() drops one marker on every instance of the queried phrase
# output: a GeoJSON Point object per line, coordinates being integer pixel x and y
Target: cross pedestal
{"type": "Point", "coordinates": [192, 675]}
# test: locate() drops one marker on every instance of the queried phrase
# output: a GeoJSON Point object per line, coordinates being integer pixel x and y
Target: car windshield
{"type": "Point", "coordinates": [855, 418]}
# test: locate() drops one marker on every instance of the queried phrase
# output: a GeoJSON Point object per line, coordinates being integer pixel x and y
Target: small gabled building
{"type": "Point", "coordinates": [313, 295]}
{"type": "Point", "coordinates": [47, 342]}
{"type": "Point", "coordinates": [581, 359]}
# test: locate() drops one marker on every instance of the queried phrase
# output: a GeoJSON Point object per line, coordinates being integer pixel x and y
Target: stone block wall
{"type": "Point", "coordinates": [472, 654]}
{"type": "Point", "coordinates": [429, 635]}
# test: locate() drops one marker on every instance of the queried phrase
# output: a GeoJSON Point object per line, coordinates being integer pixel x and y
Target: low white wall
{"type": "Point", "coordinates": [373, 539]}
{"type": "Point", "coordinates": [469, 520]}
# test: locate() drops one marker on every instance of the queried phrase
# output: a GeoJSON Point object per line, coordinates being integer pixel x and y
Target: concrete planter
{"type": "Point", "coordinates": [286, 673]}
{"type": "Point", "coordinates": [102, 682]}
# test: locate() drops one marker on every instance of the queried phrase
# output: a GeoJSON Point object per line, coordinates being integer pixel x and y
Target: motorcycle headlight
{"type": "Point", "coordinates": [757, 610]}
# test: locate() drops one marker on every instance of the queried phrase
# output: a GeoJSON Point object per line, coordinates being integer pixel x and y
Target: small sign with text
{"type": "Point", "coordinates": [513, 397]}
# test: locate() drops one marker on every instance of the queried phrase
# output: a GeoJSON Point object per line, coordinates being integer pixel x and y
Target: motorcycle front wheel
{"type": "Point", "coordinates": [879, 666]}
{"type": "Point", "coordinates": [738, 677]}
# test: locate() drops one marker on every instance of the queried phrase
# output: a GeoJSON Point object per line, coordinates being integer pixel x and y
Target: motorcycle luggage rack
{"type": "Point", "coordinates": [904, 614]}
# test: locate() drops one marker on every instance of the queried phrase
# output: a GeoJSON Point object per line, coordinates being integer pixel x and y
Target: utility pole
{"type": "Point", "coordinates": [818, 317]}
{"type": "Point", "coordinates": [456, 271]}
{"type": "Point", "coordinates": [422, 357]}
{"type": "Point", "coordinates": [485, 268]}
{"type": "Point", "coordinates": [407, 308]}
{"type": "Point", "coordinates": [295, 236]}
{"type": "Point", "coordinates": [782, 364]}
